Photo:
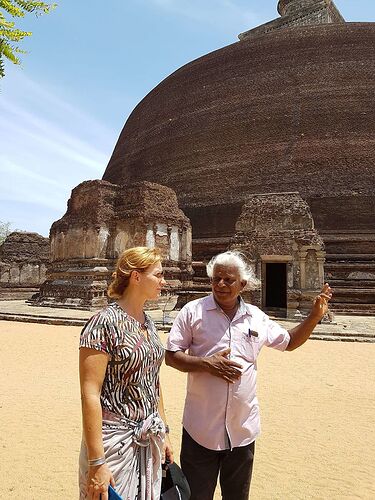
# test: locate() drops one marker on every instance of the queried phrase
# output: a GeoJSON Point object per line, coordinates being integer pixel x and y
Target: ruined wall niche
{"type": "Point", "coordinates": [23, 264]}
{"type": "Point", "coordinates": [276, 232]}
{"type": "Point", "coordinates": [101, 221]}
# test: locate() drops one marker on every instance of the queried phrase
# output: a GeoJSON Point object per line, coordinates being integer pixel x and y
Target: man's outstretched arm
{"type": "Point", "coordinates": [302, 332]}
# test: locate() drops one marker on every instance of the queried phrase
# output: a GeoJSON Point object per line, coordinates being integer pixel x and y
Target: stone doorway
{"type": "Point", "coordinates": [275, 288]}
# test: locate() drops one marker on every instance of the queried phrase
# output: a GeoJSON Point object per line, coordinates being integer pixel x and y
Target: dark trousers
{"type": "Point", "coordinates": [202, 466]}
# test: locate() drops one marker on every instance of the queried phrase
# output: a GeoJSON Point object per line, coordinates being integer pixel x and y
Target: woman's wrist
{"type": "Point", "coordinates": [96, 461]}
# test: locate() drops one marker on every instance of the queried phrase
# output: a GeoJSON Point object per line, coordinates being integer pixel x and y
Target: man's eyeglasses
{"type": "Point", "coordinates": [215, 280]}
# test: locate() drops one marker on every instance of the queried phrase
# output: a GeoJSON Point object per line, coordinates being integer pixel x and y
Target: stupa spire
{"type": "Point", "coordinates": [293, 7]}
{"type": "Point", "coordinates": [299, 13]}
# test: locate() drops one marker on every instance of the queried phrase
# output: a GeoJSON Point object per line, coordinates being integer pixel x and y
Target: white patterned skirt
{"type": "Point", "coordinates": [133, 452]}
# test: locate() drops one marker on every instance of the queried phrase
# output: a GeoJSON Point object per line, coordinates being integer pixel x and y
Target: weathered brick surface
{"type": "Point", "coordinates": [290, 110]}
{"type": "Point", "coordinates": [298, 13]}
{"type": "Point", "coordinates": [23, 263]}
{"type": "Point", "coordinates": [25, 247]}
{"type": "Point", "coordinates": [278, 227]}
{"type": "Point", "coordinates": [102, 220]}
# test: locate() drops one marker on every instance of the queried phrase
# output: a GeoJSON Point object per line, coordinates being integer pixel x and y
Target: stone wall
{"type": "Point", "coordinates": [284, 110]}
{"type": "Point", "coordinates": [23, 262]}
{"type": "Point", "coordinates": [299, 8]}
{"type": "Point", "coordinates": [288, 111]}
{"type": "Point", "coordinates": [102, 220]}
{"type": "Point", "coordinates": [278, 228]}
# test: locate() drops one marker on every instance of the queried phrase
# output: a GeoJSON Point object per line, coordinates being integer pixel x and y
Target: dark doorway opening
{"type": "Point", "coordinates": [275, 297]}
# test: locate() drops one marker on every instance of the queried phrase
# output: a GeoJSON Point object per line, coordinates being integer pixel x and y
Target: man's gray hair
{"type": "Point", "coordinates": [236, 259]}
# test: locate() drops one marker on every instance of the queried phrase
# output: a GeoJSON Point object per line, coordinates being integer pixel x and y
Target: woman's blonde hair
{"type": "Point", "coordinates": [133, 259]}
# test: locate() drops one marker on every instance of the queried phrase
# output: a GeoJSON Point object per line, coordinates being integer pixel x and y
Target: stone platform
{"type": "Point", "coordinates": [345, 328]}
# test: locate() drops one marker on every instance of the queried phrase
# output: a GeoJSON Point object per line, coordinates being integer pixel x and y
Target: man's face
{"type": "Point", "coordinates": [226, 285]}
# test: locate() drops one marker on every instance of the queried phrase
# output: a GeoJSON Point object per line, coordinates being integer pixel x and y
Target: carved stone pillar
{"type": "Point", "coordinates": [321, 258]}
{"type": "Point", "coordinates": [302, 264]}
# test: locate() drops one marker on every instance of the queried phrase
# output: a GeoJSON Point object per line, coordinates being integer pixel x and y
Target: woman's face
{"type": "Point", "coordinates": [152, 280]}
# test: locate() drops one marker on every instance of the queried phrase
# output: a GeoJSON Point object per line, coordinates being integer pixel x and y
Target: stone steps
{"type": "Point", "coordinates": [353, 308]}
{"type": "Point", "coordinates": [348, 284]}
{"type": "Point", "coordinates": [354, 295]}
{"type": "Point", "coordinates": [353, 258]}
{"type": "Point", "coordinates": [44, 320]}
{"type": "Point", "coordinates": [205, 248]}
{"type": "Point", "coordinates": [325, 332]}
{"type": "Point", "coordinates": [350, 270]}
{"type": "Point", "coordinates": [339, 338]}
{"type": "Point", "coordinates": [17, 293]}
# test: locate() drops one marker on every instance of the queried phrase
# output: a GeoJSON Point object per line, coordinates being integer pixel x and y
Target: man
{"type": "Point", "coordinates": [223, 337]}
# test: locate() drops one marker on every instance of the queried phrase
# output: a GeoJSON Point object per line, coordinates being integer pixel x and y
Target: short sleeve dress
{"type": "Point", "coordinates": [130, 391]}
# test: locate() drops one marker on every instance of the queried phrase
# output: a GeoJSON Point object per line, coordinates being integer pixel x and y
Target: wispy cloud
{"type": "Point", "coordinates": [50, 137]}
{"type": "Point", "coordinates": [47, 147]}
{"type": "Point", "coordinates": [223, 14]}
{"type": "Point", "coordinates": [7, 166]}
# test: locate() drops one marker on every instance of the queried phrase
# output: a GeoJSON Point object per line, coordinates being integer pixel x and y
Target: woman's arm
{"type": "Point", "coordinates": [167, 449]}
{"type": "Point", "coordinates": [92, 368]}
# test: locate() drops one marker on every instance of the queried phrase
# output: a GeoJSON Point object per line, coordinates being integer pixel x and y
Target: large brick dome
{"type": "Point", "coordinates": [289, 110]}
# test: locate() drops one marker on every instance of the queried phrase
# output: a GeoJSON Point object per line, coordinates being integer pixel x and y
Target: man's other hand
{"type": "Point", "coordinates": [220, 366]}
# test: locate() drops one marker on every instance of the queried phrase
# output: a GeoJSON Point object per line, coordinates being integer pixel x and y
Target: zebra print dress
{"type": "Point", "coordinates": [131, 383]}
{"type": "Point", "coordinates": [132, 430]}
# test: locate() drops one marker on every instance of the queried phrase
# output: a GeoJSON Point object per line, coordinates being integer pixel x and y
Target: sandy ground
{"type": "Point", "coordinates": [318, 413]}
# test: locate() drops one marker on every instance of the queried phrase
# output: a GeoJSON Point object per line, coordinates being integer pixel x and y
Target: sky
{"type": "Point", "coordinates": [89, 63]}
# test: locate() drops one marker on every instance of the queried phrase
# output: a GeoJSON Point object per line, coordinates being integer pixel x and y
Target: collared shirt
{"type": "Point", "coordinates": [220, 415]}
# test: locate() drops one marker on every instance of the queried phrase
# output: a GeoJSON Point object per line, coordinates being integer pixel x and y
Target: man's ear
{"type": "Point", "coordinates": [243, 284]}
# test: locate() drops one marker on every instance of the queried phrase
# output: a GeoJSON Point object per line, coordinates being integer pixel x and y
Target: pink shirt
{"type": "Point", "coordinates": [219, 415]}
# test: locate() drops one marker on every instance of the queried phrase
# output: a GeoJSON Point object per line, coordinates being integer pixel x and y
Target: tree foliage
{"type": "Point", "coordinates": [5, 230]}
{"type": "Point", "coordinates": [10, 35]}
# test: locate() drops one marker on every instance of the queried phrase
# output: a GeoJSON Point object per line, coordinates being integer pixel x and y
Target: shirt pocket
{"type": "Point", "coordinates": [248, 346]}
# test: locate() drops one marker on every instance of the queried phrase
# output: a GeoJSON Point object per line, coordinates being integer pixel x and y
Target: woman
{"type": "Point", "coordinates": [124, 428]}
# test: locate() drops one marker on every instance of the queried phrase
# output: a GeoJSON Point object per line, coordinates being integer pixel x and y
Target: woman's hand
{"type": "Point", "coordinates": [167, 454]}
{"type": "Point", "coordinates": [98, 480]}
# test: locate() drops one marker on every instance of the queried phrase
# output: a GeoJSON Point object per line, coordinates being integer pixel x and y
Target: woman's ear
{"type": "Point", "coordinates": [134, 277]}
{"type": "Point", "coordinates": [243, 284]}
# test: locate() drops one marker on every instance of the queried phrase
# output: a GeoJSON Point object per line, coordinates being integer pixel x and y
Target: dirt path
{"type": "Point", "coordinates": [318, 413]}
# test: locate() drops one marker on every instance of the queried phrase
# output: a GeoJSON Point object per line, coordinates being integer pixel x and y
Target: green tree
{"type": "Point", "coordinates": [9, 34]}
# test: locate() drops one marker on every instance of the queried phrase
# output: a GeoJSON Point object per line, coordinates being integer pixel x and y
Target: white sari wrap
{"type": "Point", "coordinates": [133, 452]}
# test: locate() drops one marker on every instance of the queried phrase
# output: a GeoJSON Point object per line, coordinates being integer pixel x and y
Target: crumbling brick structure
{"type": "Point", "coordinates": [286, 109]}
{"type": "Point", "coordinates": [101, 221]}
{"type": "Point", "coordinates": [276, 232]}
{"type": "Point", "coordinates": [23, 262]}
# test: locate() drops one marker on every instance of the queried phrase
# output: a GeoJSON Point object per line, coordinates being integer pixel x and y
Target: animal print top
{"type": "Point", "coordinates": [131, 384]}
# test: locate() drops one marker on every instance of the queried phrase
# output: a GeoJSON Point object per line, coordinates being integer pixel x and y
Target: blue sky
{"type": "Point", "coordinates": [88, 65]}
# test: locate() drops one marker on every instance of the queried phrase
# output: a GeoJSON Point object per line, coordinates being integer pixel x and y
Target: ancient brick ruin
{"type": "Point", "coordinates": [23, 262]}
{"type": "Point", "coordinates": [265, 145]}
{"type": "Point", "coordinates": [101, 221]}
{"type": "Point", "coordinates": [298, 13]}
{"type": "Point", "coordinates": [276, 232]}
{"type": "Point", "coordinates": [288, 108]}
